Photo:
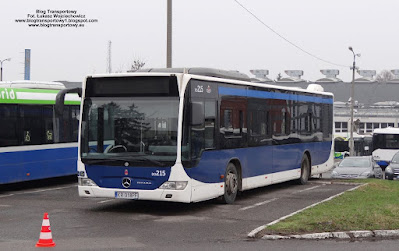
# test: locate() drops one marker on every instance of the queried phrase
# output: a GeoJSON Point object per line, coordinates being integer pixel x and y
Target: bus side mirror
{"type": "Point", "coordinates": [197, 113]}
{"type": "Point", "coordinates": [60, 99]}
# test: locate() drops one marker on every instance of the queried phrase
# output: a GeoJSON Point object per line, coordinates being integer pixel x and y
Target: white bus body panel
{"type": "Point", "coordinates": [156, 195]}
{"type": "Point", "coordinates": [384, 154]}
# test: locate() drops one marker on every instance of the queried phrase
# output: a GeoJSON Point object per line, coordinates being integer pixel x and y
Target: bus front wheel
{"type": "Point", "coordinates": [305, 170]}
{"type": "Point", "coordinates": [230, 184]}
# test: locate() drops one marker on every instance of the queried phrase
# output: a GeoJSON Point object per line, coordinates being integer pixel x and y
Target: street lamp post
{"type": "Point", "coordinates": [1, 67]}
{"type": "Point", "coordinates": [353, 68]}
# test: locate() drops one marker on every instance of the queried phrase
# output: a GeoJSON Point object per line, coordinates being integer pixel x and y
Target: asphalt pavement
{"type": "Point", "coordinates": [109, 224]}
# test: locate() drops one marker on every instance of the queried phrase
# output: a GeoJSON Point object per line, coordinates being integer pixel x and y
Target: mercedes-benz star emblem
{"type": "Point", "coordinates": [126, 182]}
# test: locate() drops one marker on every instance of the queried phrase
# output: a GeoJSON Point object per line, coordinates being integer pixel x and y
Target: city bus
{"type": "Point", "coordinates": [34, 143]}
{"type": "Point", "coordinates": [341, 147]}
{"type": "Point", "coordinates": [385, 145]}
{"type": "Point", "coordinates": [189, 135]}
{"type": "Point", "coordinates": [363, 145]}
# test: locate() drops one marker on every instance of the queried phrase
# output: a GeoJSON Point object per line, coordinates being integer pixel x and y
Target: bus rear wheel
{"type": "Point", "coordinates": [305, 170]}
{"type": "Point", "coordinates": [230, 184]}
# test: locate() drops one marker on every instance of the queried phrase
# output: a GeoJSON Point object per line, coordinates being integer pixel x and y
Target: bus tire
{"type": "Point", "coordinates": [305, 170]}
{"type": "Point", "coordinates": [230, 184]}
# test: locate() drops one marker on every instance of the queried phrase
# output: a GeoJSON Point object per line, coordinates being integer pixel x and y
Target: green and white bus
{"type": "Point", "coordinates": [34, 143]}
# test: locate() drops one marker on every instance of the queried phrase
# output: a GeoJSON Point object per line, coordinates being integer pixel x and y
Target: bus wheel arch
{"type": "Point", "coordinates": [232, 181]}
{"type": "Point", "coordinates": [306, 168]}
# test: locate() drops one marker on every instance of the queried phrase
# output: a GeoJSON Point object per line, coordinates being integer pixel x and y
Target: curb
{"type": "Point", "coordinates": [337, 235]}
{"type": "Point", "coordinates": [336, 182]}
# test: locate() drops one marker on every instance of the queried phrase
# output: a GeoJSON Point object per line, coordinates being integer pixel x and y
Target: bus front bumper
{"type": "Point", "coordinates": [134, 194]}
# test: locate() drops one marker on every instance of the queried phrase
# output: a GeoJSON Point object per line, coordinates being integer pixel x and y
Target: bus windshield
{"type": "Point", "coordinates": [386, 141]}
{"type": "Point", "coordinates": [136, 130]}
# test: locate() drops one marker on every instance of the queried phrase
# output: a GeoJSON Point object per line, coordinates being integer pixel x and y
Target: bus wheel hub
{"type": "Point", "coordinates": [231, 183]}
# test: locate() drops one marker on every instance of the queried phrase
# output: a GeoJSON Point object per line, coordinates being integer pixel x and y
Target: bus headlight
{"type": "Point", "coordinates": [174, 185]}
{"type": "Point", "coordinates": [86, 182]}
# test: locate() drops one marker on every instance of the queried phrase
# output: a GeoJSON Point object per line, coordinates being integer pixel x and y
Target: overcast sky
{"type": "Point", "coordinates": [206, 33]}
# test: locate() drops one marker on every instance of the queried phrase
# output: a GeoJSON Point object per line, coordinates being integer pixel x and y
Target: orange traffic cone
{"type": "Point", "coordinates": [45, 239]}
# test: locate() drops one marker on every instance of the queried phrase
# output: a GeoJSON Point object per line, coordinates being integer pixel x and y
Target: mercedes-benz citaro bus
{"type": "Point", "coordinates": [189, 135]}
{"type": "Point", "coordinates": [34, 143]}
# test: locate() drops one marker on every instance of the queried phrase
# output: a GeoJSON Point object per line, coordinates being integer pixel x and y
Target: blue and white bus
{"type": "Point", "coordinates": [34, 144]}
{"type": "Point", "coordinates": [189, 135]}
{"type": "Point", "coordinates": [385, 145]}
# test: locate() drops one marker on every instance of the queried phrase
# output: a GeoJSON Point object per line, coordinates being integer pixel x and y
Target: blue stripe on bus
{"type": "Point", "coordinates": [37, 164]}
{"type": "Point", "coordinates": [255, 161]}
{"type": "Point", "coordinates": [272, 95]}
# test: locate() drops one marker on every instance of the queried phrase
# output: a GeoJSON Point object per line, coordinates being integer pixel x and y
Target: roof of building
{"type": "Point", "coordinates": [367, 93]}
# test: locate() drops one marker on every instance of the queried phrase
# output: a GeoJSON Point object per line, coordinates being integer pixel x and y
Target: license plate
{"type": "Point", "coordinates": [127, 195]}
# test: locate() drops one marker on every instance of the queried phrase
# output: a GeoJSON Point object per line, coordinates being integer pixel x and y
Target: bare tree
{"type": "Point", "coordinates": [137, 65]}
{"type": "Point", "coordinates": [384, 76]}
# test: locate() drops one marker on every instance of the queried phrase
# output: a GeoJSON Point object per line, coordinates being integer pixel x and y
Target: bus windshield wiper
{"type": "Point", "coordinates": [97, 161]}
{"type": "Point", "coordinates": [144, 158]}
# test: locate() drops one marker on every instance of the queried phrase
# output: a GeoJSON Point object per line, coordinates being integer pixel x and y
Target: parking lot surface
{"type": "Point", "coordinates": [81, 224]}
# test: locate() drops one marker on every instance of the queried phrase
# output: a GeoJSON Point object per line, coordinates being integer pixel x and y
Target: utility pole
{"type": "Point", "coordinates": [169, 36]}
{"type": "Point", "coordinates": [353, 68]}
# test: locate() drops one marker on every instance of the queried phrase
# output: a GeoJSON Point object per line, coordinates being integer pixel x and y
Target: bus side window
{"type": "Point", "coordinates": [9, 125]}
{"type": "Point", "coordinates": [227, 122]}
{"type": "Point", "coordinates": [65, 125]}
{"type": "Point", "coordinates": [197, 129]}
{"type": "Point", "coordinates": [48, 124]}
{"type": "Point", "coordinates": [32, 125]}
{"type": "Point", "coordinates": [75, 122]}
{"type": "Point", "coordinates": [210, 121]}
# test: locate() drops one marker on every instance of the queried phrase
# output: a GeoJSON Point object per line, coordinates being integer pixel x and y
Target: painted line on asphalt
{"type": "Point", "coordinates": [45, 190]}
{"type": "Point", "coordinates": [7, 195]}
{"type": "Point", "coordinates": [257, 204]}
{"type": "Point", "coordinates": [253, 233]}
{"type": "Point", "coordinates": [5, 205]}
{"type": "Point", "coordinates": [307, 189]}
{"type": "Point", "coordinates": [37, 191]}
{"type": "Point", "coordinates": [105, 201]}
{"type": "Point", "coordinates": [268, 201]}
